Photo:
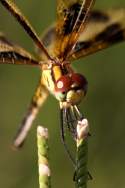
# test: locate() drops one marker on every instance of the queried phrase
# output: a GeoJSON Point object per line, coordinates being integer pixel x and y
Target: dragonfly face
{"type": "Point", "coordinates": [68, 87]}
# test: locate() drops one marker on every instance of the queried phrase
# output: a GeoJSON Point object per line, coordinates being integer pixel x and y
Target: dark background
{"type": "Point", "coordinates": [104, 107]}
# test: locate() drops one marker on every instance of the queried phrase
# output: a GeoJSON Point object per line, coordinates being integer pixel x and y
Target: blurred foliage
{"type": "Point", "coordinates": [104, 107]}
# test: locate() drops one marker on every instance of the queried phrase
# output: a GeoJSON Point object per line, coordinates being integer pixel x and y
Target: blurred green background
{"type": "Point", "coordinates": [104, 107]}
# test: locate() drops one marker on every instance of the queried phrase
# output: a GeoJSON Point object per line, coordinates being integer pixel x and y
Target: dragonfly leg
{"type": "Point", "coordinates": [62, 130]}
{"type": "Point", "coordinates": [37, 101]}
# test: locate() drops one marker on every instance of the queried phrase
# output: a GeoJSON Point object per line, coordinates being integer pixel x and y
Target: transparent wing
{"type": "Point", "coordinates": [48, 39]}
{"type": "Point", "coordinates": [13, 54]}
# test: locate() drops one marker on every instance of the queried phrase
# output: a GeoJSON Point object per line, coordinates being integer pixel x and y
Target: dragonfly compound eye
{"type": "Point", "coordinates": [79, 81]}
{"type": "Point", "coordinates": [63, 84]}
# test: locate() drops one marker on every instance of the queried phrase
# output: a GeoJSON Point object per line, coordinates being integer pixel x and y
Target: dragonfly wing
{"type": "Point", "coordinates": [104, 29]}
{"type": "Point", "coordinates": [71, 20]}
{"type": "Point", "coordinates": [14, 10]}
{"type": "Point", "coordinates": [37, 101]}
{"type": "Point", "coordinates": [48, 39]}
{"type": "Point", "coordinates": [13, 54]}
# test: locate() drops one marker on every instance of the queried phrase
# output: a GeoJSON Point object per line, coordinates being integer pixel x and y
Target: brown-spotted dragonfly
{"type": "Point", "coordinates": [77, 32]}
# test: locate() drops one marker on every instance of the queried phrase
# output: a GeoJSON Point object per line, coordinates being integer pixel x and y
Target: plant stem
{"type": "Point", "coordinates": [42, 144]}
{"type": "Point", "coordinates": [81, 174]}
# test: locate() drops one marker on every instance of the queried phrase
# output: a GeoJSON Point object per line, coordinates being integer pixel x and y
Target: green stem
{"type": "Point", "coordinates": [81, 176]}
{"type": "Point", "coordinates": [42, 144]}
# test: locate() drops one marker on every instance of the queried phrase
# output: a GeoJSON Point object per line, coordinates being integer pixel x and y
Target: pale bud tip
{"type": "Point", "coordinates": [43, 132]}
{"type": "Point", "coordinates": [82, 129]}
{"type": "Point", "coordinates": [44, 170]}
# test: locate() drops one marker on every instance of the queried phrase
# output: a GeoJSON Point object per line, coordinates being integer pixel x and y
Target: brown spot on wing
{"type": "Point", "coordinates": [98, 16]}
{"type": "Point", "coordinates": [109, 32]}
{"type": "Point", "coordinates": [71, 16]}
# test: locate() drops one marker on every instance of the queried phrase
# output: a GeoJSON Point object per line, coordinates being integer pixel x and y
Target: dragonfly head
{"type": "Point", "coordinates": [71, 88]}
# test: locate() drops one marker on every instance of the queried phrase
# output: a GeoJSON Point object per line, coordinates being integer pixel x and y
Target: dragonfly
{"type": "Point", "coordinates": [78, 31]}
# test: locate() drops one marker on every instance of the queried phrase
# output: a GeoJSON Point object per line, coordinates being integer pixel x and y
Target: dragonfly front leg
{"type": "Point", "coordinates": [37, 101]}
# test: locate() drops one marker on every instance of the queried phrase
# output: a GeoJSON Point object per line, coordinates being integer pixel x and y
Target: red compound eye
{"type": "Point", "coordinates": [79, 79]}
{"type": "Point", "coordinates": [63, 84]}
